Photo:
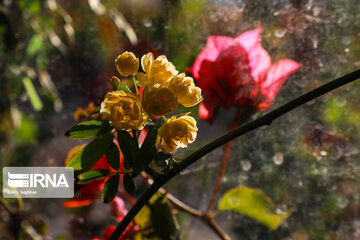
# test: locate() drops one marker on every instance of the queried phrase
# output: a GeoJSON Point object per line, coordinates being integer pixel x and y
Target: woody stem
{"type": "Point", "coordinates": [266, 119]}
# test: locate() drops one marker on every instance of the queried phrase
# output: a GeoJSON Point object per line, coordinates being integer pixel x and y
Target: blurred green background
{"type": "Point", "coordinates": [56, 56]}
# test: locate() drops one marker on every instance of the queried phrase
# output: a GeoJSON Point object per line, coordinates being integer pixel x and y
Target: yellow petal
{"type": "Point", "coordinates": [185, 90]}
{"type": "Point", "coordinates": [124, 110]}
{"type": "Point", "coordinates": [141, 79]}
{"type": "Point", "coordinates": [146, 62]}
{"type": "Point", "coordinates": [158, 101]}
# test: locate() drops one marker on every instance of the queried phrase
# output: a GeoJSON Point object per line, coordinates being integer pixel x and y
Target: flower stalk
{"type": "Point", "coordinates": [241, 116]}
{"type": "Point", "coordinates": [267, 119]}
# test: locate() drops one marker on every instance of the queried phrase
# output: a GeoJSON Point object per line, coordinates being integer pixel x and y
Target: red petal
{"type": "Point", "coordinates": [260, 62]}
{"type": "Point", "coordinates": [204, 113]}
{"type": "Point", "coordinates": [277, 75]}
{"type": "Point", "coordinates": [77, 203]}
{"type": "Point", "coordinates": [102, 163]}
{"type": "Point", "coordinates": [108, 231]}
{"type": "Point", "coordinates": [142, 136]}
{"type": "Point", "coordinates": [214, 45]}
{"type": "Point", "coordinates": [118, 208]}
{"type": "Point", "coordinates": [249, 39]}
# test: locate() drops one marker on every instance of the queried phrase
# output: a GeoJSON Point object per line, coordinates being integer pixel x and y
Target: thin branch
{"type": "Point", "coordinates": [210, 222]}
{"type": "Point", "coordinates": [219, 178]}
{"type": "Point", "coordinates": [267, 119]}
{"type": "Point", "coordinates": [243, 113]}
{"type": "Point", "coordinates": [181, 205]}
{"type": "Point", "coordinates": [207, 219]}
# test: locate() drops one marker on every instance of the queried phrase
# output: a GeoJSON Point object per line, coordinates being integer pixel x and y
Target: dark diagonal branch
{"type": "Point", "coordinates": [267, 119]}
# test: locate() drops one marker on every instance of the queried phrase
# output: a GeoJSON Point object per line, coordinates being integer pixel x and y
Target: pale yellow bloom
{"type": "Point", "coordinates": [124, 110]}
{"type": "Point", "coordinates": [159, 101]}
{"type": "Point", "coordinates": [158, 71]}
{"type": "Point", "coordinates": [127, 64]}
{"type": "Point", "coordinates": [164, 88]}
{"type": "Point", "coordinates": [176, 133]}
{"type": "Point", "coordinates": [185, 90]}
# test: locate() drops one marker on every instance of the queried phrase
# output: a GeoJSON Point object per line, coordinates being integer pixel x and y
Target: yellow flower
{"type": "Point", "coordinates": [185, 90]}
{"type": "Point", "coordinates": [176, 133]}
{"type": "Point", "coordinates": [158, 101]}
{"type": "Point", "coordinates": [164, 89]}
{"type": "Point", "coordinates": [124, 110]}
{"type": "Point", "coordinates": [158, 71]}
{"type": "Point", "coordinates": [127, 64]}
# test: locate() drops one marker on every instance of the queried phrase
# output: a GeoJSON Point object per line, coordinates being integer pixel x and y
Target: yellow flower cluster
{"type": "Point", "coordinates": [164, 89]}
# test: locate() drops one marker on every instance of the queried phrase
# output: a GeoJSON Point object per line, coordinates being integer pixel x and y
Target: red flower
{"type": "Point", "coordinates": [237, 72]}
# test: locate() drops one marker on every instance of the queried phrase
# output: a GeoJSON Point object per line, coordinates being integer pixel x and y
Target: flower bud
{"type": "Point", "coordinates": [127, 64]}
{"type": "Point", "coordinates": [114, 81]}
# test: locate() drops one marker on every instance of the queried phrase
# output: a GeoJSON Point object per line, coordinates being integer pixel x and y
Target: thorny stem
{"type": "Point", "coordinates": [267, 119]}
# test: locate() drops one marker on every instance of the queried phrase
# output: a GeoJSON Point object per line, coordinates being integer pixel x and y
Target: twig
{"type": "Point", "coordinates": [267, 119]}
{"type": "Point", "coordinates": [209, 220]}
{"type": "Point", "coordinates": [181, 205]}
{"type": "Point", "coordinates": [219, 178]}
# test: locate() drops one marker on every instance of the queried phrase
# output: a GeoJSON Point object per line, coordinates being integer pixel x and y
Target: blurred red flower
{"type": "Point", "coordinates": [238, 72]}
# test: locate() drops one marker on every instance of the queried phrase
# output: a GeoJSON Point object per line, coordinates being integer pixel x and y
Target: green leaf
{"type": "Point", "coordinates": [129, 148]}
{"type": "Point", "coordinates": [147, 151]}
{"type": "Point", "coordinates": [157, 219]}
{"type": "Point", "coordinates": [97, 110]}
{"type": "Point", "coordinates": [33, 96]}
{"type": "Point", "coordinates": [113, 156]}
{"type": "Point", "coordinates": [93, 174]}
{"type": "Point", "coordinates": [129, 184]}
{"type": "Point", "coordinates": [92, 152]}
{"type": "Point", "coordinates": [34, 46]}
{"type": "Point", "coordinates": [253, 203]}
{"type": "Point", "coordinates": [163, 220]}
{"type": "Point", "coordinates": [123, 87]}
{"type": "Point", "coordinates": [26, 131]}
{"type": "Point", "coordinates": [89, 129]}
{"type": "Point", "coordinates": [110, 189]}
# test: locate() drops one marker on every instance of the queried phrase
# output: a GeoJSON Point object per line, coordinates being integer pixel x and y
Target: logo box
{"type": "Point", "coordinates": [38, 182]}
